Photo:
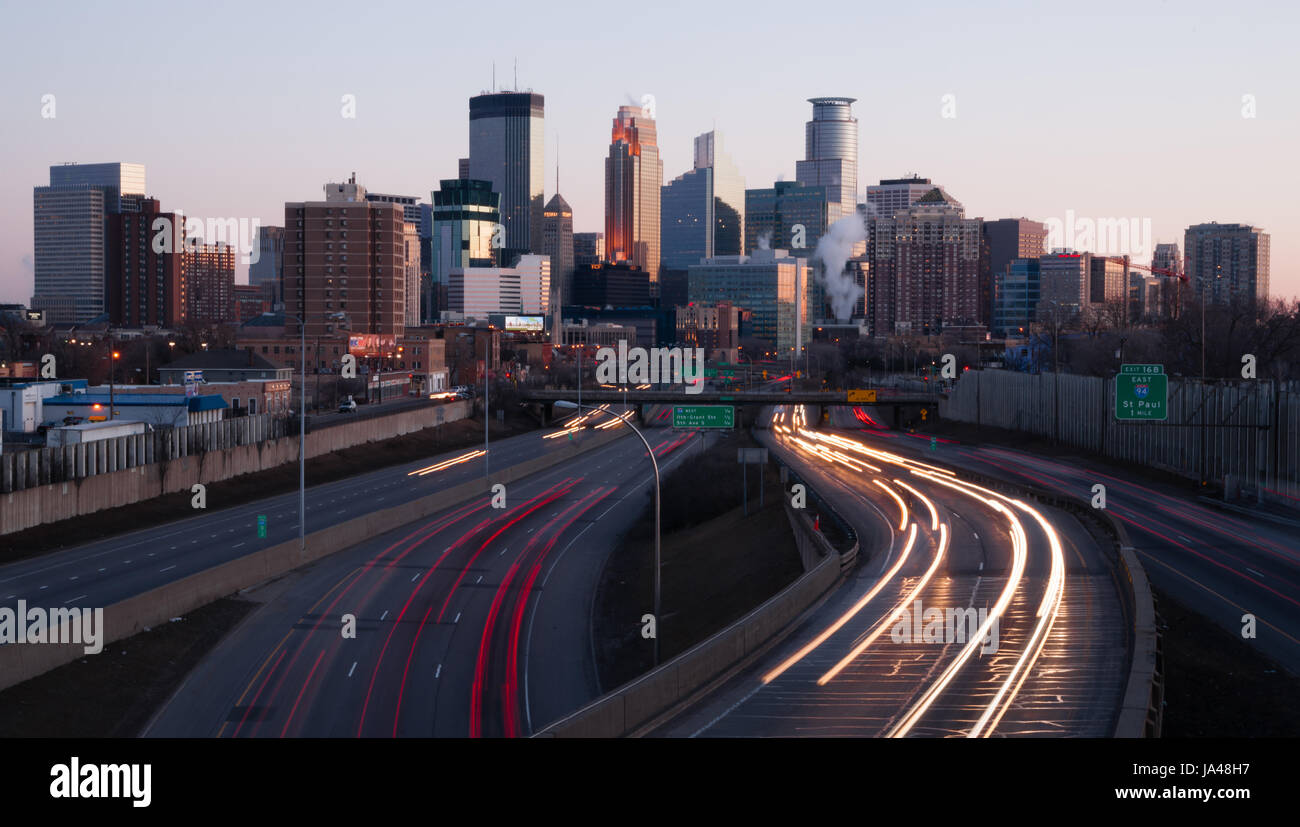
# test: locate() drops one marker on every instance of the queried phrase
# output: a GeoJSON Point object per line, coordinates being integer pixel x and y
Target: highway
{"type": "Point", "coordinates": [474, 622]}
{"type": "Point", "coordinates": [852, 667]}
{"type": "Point", "coordinates": [106, 571]}
{"type": "Point", "coordinates": [1220, 563]}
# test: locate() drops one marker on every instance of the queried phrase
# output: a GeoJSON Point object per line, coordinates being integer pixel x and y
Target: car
{"type": "Point", "coordinates": [348, 405]}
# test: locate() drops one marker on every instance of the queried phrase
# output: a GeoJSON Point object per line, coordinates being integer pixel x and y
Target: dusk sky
{"type": "Point", "coordinates": [1111, 110]}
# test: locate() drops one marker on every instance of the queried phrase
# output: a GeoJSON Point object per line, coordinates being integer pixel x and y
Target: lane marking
{"type": "Point", "coordinates": [353, 669]}
{"type": "Point", "coordinates": [169, 568]}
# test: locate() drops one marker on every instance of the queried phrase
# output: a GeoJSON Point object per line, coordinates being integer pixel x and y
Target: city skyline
{"type": "Point", "coordinates": [1008, 150]}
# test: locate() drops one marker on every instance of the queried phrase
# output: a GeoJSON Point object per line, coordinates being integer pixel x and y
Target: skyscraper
{"type": "Point", "coordinates": [70, 225]}
{"type": "Point", "coordinates": [633, 178]}
{"type": "Point", "coordinates": [831, 154]}
{"type": "Point", "coordinates": [466, 214]}
{"type": "Point", "coordinates": [924, 267]}
{"type": "Point", "coordinates": [557, 242]}
{"type": "Point", "coordinates": [506, 149]}
{"type": "Point", "coordinates": [703, 208]}
{"type": "Point", "coordinates": [1227, 261]}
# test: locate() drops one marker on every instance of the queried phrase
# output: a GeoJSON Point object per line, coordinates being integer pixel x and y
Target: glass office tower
{"type": "Point", "coordinates": [703, 210]}
{"type": "Point", "coordinates": [465, 216]}
{"type": "Point", "coordinates": [506, 149]}
{"type": "Point", "coordinates": [634, 178]}
{"type": "Point", "coordinates": [831, 153]}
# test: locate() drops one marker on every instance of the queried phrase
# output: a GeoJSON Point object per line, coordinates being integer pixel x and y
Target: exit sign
{"type": "Point", "coordinates": [1142, 393]}
{"type": "Point", "coordinates": [704, 416]}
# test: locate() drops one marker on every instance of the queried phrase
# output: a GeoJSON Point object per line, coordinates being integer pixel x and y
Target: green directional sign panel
{"type": "Point", "coordinates": [1142, 392]}
{"type": "Point", "coordinates": [704, 416]}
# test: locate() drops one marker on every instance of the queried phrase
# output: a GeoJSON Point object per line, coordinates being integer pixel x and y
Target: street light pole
{"type": "Point", "coordinates": [302, 435]}
{"type": "Point", "coordinates": [658, 560]}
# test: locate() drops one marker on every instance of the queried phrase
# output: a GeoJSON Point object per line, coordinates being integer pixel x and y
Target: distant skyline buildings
{"type": "Point", "coordinates": [893, 194]}
{"type": "Point", "coordinates": [703, 209]}
{"type": "Point", "coordinates": [633, 180]}
{"type": "Point", "coordinates": [1227, 261]}
{"type": "Point", "coordinates": [507, 148]}
{"type": "Point", "coordinates": [70, 227]}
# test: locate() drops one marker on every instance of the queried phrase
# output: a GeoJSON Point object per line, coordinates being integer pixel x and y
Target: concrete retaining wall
{"type": "Point", "coordinates": [633, 705]}
{"type": "Point", "coordinates": [196, 460]}
{"type": "Point", "coordinates": [20, 662]}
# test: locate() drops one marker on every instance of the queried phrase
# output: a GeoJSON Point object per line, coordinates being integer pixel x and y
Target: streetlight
{"type": "Point", "coordinates": [112, 371]}
{"type": "Point", "coordinates": [658, 560]}
{"type": "Point", "coordinates": [302, 435]}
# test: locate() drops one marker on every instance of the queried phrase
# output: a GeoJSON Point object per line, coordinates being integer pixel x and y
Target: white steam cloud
{"type": "Point", "coordinates": [833, 251]}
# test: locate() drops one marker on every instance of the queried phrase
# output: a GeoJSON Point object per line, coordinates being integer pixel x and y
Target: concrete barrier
{"type": "Point", "coordinates": [21, 662]}
{"type": "Point", "coordinates": [95, 487]}
{"type": "Point", "coordinates": [673, 684]}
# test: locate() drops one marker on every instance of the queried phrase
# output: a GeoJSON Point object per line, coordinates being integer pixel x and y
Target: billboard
{"type": "Point", "coordinates": [532, 324]}
{"type": "Point", "coordinates": [371, 344]}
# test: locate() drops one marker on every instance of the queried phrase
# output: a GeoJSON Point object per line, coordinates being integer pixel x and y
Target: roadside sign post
{"type": "Point", "coordinates": [745, 456]}
{"type": "Point", "coordinates": [1141, 393]}
{"type": "Point", "coordinates": [261, 525]}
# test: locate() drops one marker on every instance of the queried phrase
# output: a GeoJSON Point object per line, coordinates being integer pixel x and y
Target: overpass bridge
{"type": "Point", "coordinates": [543, 400]}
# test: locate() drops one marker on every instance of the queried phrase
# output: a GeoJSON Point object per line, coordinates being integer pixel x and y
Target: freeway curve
{"type": "Point", "coordinates": [472, 622]}
{"type": "Point", "coordinates": [1051, 605]}
{"type": "Point", "coordinates": [1222, 563]}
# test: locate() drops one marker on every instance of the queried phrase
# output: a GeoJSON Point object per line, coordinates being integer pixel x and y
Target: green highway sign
{"type": "Point", "coordinates": [704, 416]}
{"type": "Point", "coordinates": [1141, 369]}
{"type": "Point", "coordinates": [1142, 392]}
{"type": "Point", "coordinates": [261, 525]}
{"type": "Point", "coordinates": [710, 373]}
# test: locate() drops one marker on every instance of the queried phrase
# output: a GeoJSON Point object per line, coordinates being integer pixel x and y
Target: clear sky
{"type": "Point", "coordinates": [1107, 109]}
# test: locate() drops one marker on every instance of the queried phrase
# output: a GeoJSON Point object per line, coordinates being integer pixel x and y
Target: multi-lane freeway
{"type": "Point", "coordinates": [1223, 563]}
{"type": "Point", "coordinates": [1039, 642]}
{"type": "Point", "coordinates": [473, 622]}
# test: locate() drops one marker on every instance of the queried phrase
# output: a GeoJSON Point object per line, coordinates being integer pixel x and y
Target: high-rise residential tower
{"type": "Point", "coordinates": [924, 267]}
{"type": "Point", "coordinates": [634, 176]}
{"type": "Point", "coordinates": [70, 226]}
{"type": "Point", "coordinates": [894, 194]}
{"type": "Point", "coordinates": [831, 153]}
{"type": "Point", "coordinates": [703, 209]}
{"type": "Point", "coordinates": [1227, 261]}
{"type": "Point", "coordinates": [210, 283]}
{"type": "Point", "coordinates": [506, 148]}
{"type": "Point", "coordinates": [345, 264]}
{"type": "Point", "coordinates": [146, 282]}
